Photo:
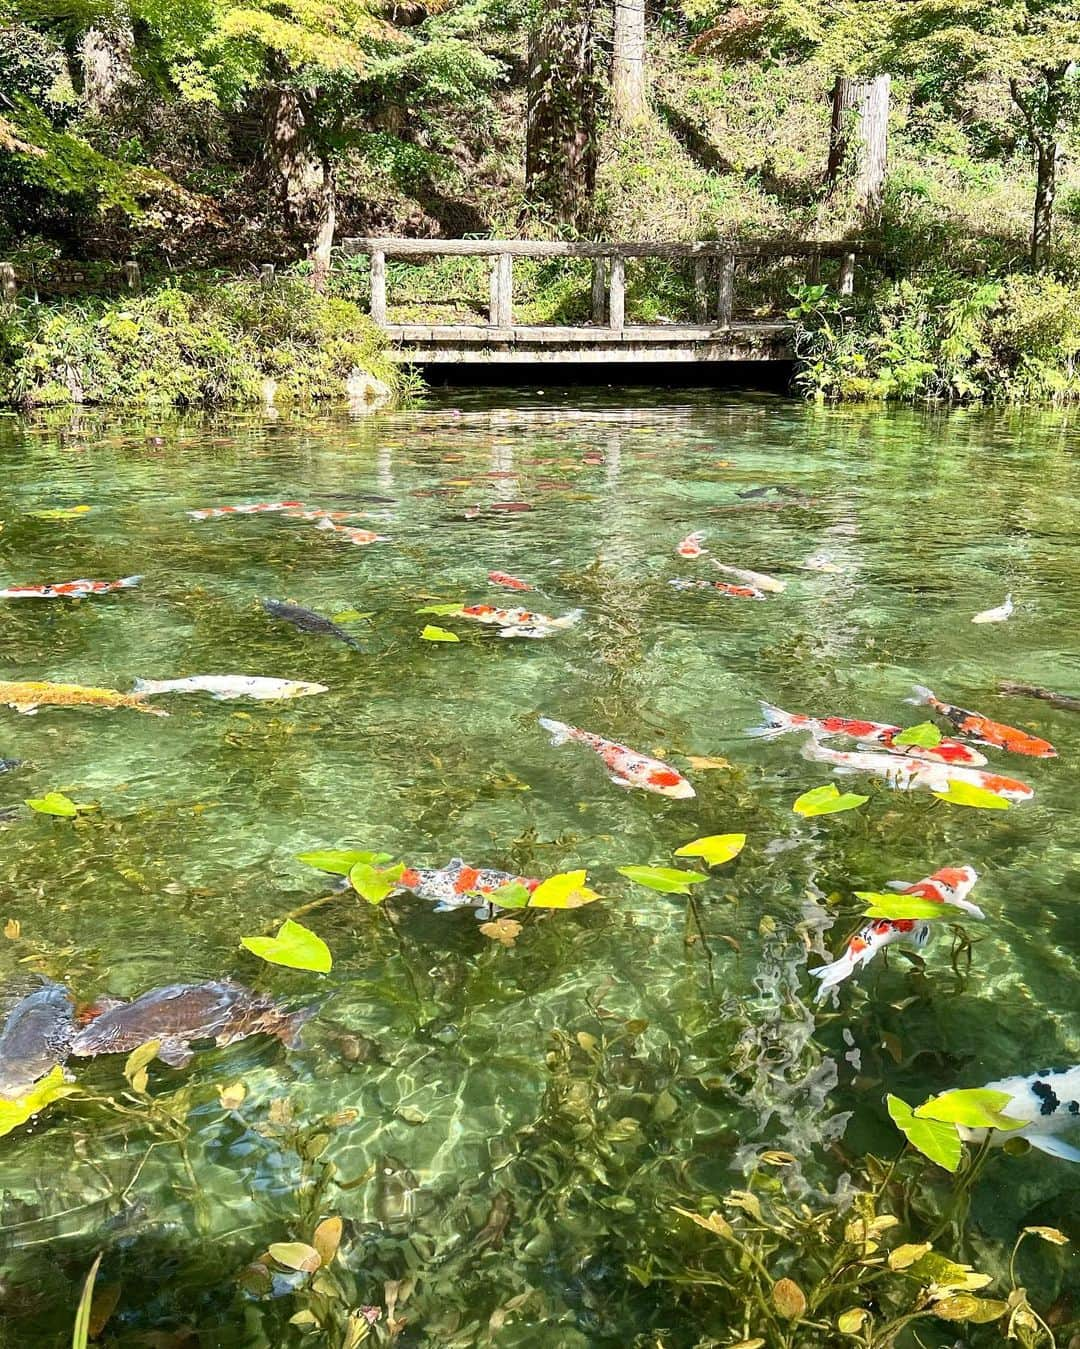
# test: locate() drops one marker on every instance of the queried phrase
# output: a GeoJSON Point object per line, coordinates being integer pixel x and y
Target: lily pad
{"type": "Point", "coordinates": [934, 1139]}
{"type": "Point", "coordinates": [926, 735]}
{"type": "Point", "coordinates": [375, 883]}
{"type": "Point", "coordinates": [19, 1110]}
{"type": "Point", "coordinates": [433, 634]}
{"type": "Point", "coordinates": [668, 880]}
{"type": "Point", "coordinates": [715, 849]}
{"type": "Point", "coordinates": [964, 794]}
{"type": "Point", "coordinates": [54, 803]}
{"type": "Point", "coordinates": [513, 895]}
{"type": "Point", "coordinates": [827, 801]}
{"type": "Point", "coordinates": [567, 890]}
{"type": "Point", "coordinates": [899, 907]}
{"type": "Point", "coordinates": [340, 861]}
{"type": "Point", "coordinates": [294, 946]}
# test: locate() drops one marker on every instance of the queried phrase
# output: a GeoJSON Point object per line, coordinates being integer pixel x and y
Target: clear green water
{"type": "Point", "coordinates": [436, 1043]}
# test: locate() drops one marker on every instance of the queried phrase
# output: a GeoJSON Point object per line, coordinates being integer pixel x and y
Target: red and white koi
{"type": "Point", "coordinates": [627, 767]}
{"type": "Point", "coordinates": [68, 589]}
{"type": "Point", "coordinates": [458, 886]}
{"type": "Point", "coordinates": [949, 886]}
{"type": "Point", "coordinates": [758, 579]}
{"type": "Point", "coordinates": [982, 729]}
{"type": "Point", "coordinates": [907, 774]}
{"type": "Point", "coordinates": [691, 545]}
{"type": "Point", "coordinates": [778, 722]}
{"type": "Point", "coordinates": [519, 622]}
{"type": "Point", "coordinates": [721, 587]}
{"type": "Point", "coordinates": [508, 582]}
{"type": "Point", "coordinates": [361, 537]}
{"type": "Point", "coordinates": [259, 508]}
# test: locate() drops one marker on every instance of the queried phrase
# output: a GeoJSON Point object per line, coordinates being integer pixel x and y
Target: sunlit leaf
{"type": "Point", "coordinates": [443, 610]}
{"type": "Point", "coordinates": [715, 849]}
{"type": "Point", "coordinates": [964, 1307]}
{"type": "Point", "coordinates": [296, 1255]}
{"type": "Point", "coordinates": [54, 803]}
{"type": "Point", "coordinates": [940, 1142]}
{"type": "Point", "coordinates": [964, 794]}
{"type": "Point", "coordinates": [18, 1110]}
{"type": "Point", "coordinates": [567, 890]}
{"type": "Point", "coordinates": [137, 1062]}
{"type": "Point", "coordinates": [903, 906]}
{"type": "Point", "coordinates": [827, 801]}
{"type": "Point", "coordinates": [327, 1238]}
{"type": "Point", "coordinates": [1050, 1234]}
{"type": "Point", "coordinates": [375, 883]}
{"type": "Point", "coordinates": [851, 1322]}
{"type": "Point", "coordinates": [434, 634]}
{"type": "Point", "coordinates": [503, 930]}
{"type": "Point", "coordinates": [926, 735]}
{"type": "Point", "coordinates": [904, 1256]}
{"type": "Point", "coordinates": [668, 880]}
{"type": "Point", "coordinates": [788, 1299]}
{"type": "Point", "coordinates": [513, 895]}
{"type": "Point", "coordinates": [715, 1222]}
{"type": "Point", "coordinates": [61, 513]}
{"type": "Point", "coordinates": [294, 946]}
{"type": "Point", "coordinates": [340, 861]}
{"type": "Point", "coordinates": [974, 1107]}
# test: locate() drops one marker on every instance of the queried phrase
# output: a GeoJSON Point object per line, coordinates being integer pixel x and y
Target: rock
{"type": "Point", "coordinates": [366, 393]}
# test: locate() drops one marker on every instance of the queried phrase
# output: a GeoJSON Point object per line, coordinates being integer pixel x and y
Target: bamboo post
{"type": "Point", "coordinates": [617, 293]}
{"type": "Point", "coordinates": [266, 275]}
{"type": "Point", "coordinates": [725, 299]}
{"type": "Point", "coordinates": [847, 273]}
{"type": "Point", "coordinates": [132, 276]}
{"type": "Point", "coordinates": [9, 287]}
{"type": "Point", "coordinates": [599, 290]}
{"type": "Point", "coordinates": [701, 291]}
{"type": "Point", "coordinates": [378, 286]}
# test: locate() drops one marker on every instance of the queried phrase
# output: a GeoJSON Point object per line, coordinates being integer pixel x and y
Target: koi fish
{"type": "Point", "coordinates": [315, 513]}
{"type": "Point", "coordinates": [998, 615]}
{"type": "Point", "coordinates": [1047, 1102]}
{"type": "Point", "coordinates": [758, 579]}
{"type": "Point", "coordinates": [501, 578]}
{"type": "Point", "coordinates": [457, 886]}
{"type": "Point", "coordinates": [691, 545]}
{"type": "Point", "coordinates": [1065, 701]}
{"type": "Point", "coordinates": [35, 1038]}
{"type": "Point", "coordinates": [520, 622]}
{"type": "Point", "coordinates": [225, 687]}
{"type": "Point", "coordinates": [627, 768]}
{"type": "Point", "coordinates": [68, 589]}
{"type": "Point", "coordinates": [983, 730]}
{"type": "Point", "coordinates": [778, 722]}
{"type": "Point", "coordinates": [906, 774]}
{"type": "Point", "coordinates": [307, 620]}
{"type": "Point", "coordinates": [950, 885]}
{"type": "Point", "coordinates": [819, 562]}
{"type": "Point", "coordinates": [261, 507]}
{"type": "Point", "coordinates": [362, 537]}
{"type": "Point", "coordinates": [721, 587]}
{"type": "Point", "coordinates": [28, 696]}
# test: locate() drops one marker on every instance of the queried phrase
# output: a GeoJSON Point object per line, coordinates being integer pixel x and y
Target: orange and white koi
{"type": "Point", "coordinates": [758, 579]}
{"type": "Point", "coordinates": [721, 587]}
{"type": "Point", "coordinates": [502, 578]}
{"type": "Point", "coordinates": [906, 774]}
{"type": "Point", "coordinates": [627, 767]}
{"type": "Point", "coordinates": [691, 545]}
{"type": "Point", "coordinates": [985, 731]}
{"type": "Point", "coordinates": [68, 589]}
{"type": "Point", "coordinates": [458, 886]}
{"type": "Point", "coordinates": [519, 622]}
{"type": "Point", "coordinates": [949, 886]}
{"type": "Point", "coordinates": [258, 508]}
{"type": "Point", "coordinates": [778, 722]}
{"type": "Point", "coordinates": [361, 537]}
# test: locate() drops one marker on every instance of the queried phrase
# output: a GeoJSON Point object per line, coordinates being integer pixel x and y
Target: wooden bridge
{"type": "Point", "coordinates": [725, 326]}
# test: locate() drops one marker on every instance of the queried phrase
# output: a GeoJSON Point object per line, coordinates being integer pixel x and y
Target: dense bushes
{"type": "Point", "coordinates": [211, 345]}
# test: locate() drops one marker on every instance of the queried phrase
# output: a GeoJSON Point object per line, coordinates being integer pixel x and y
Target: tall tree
{"type": "Point", "coordinates": [628, 49]}
{"type": "Point", "coordinates": [858, 139]}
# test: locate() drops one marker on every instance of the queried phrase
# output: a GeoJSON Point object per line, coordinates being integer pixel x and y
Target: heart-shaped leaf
{"type": "Point", "coordinates": [295, 946]}
{"type": "Point", "coordinates": [296, 1255]}
{"type": "Point", "coordinates": [964, 794]}
{"type": "Point", "coordinates": [513, 895]}
{"type": "Point", "coordinates": [715, 849]}
{"type": "Point", "coordinates": [974, 1107]}
{"type": "Point", "coordinates": [827, 801]}
{"type": "Point", "coordinates": [668, 880]}
{"type": "Point", "coordinates": [898, 907]}
{"type": "Point", "coordinates": [940, 1142]}
{"type": "Point", "coordinates": [440, 609]}
{"type": "Point", "coordinates": [340, 861]}
{"type": "Point", "coordinates": [18, 1110]}
{"type": "Point", "coordinates": [54, 803]}
{"type": "Point", "coordinates": [375, 883]}
{"type": "Point", "coordinates": [434, 634]}
{"type": "Point", "coordinates": [926, 735]}
{"type": "Point", "coordinates": [567, 890]}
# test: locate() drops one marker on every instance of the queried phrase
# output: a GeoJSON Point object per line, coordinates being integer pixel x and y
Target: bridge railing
{"type": "Point", "coordinates": [712, 304]}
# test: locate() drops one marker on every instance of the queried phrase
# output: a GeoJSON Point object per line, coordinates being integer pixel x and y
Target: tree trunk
{"type": "Point", "coordinates": [105, 58]}
{"type": "Point", "coordinates": [560, 142]}
{"type": "Point", "coordinates": [305, 177]}
{"type": "Point", "coordinates": [1045, 190]}
{"type": "Point", "coordinates": [628, 62]}
{"type": "Point", "coordinates": [858, 140]}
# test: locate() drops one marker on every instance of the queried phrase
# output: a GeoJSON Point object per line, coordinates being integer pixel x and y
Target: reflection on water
{"type": "Point", "coordinates": [445, 1104]}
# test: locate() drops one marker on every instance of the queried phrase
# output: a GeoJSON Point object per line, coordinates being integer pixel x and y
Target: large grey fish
{"type": "Point", "coordinates": [1066, 701]}
{"type": "Point", "coordinates": [307, 620]}
{"type": "Point", "coordinates": [36, 1037]}
{"type": "Point", "coordinates": [181, 1013]}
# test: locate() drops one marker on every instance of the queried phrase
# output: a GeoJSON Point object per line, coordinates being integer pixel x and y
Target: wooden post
{"type": "Point", "coordinates": [378, 286]}
{"type": "Point", "coordinates": [132, 276]}
{"type": "Point", "coordinates": [617, 293]}
{"type": "Point", "coordinates": [847, 274]}
{"type": "Point", "coordinates": [9, 287]}
{"type": "Point", "coordinates": [701, 291]}
{"type": "Point", "coordinates": [266, 275]}
{"type": "Point", "coordinates": [493, 290]}
{"type": "Point", "coordinates": [599, 290]}
{"type": "Point", "coordinates": [725, 300]}
{"type": "Point", "coordinates": [813, 269]}
{"type": "Point", "coordinates": [505, 280]}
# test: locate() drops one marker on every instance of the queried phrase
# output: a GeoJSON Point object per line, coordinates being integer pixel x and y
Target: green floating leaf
{"type": "Point", "coordinates": [340, 861]}
{"type": "Point", "coordinates": [715, 849]}
{"type": "Point", "coordinates": [940, 1142]}
{"type": "Point", "coordinates": [61, 513]}
{"type": "Point", "coordinates": [375, 883]}
{"type": "Point", "coordinates": [513, 895]}
{"type": "Point", "coordinates": [668, 880]}
{"type": "Point", "coordinates": [18, 1110]}
{"type": "Point", "coordinates": [295, 946]}
{"type": "Point", "coordinates": [926, 735]}
{"type": "Point", "coordinates": [440, 609]}
{"type": "Point", "coordinates": [54, 803]}
{"type": "Point", "coordinates": [351, 616]}
{"type": "Point", "coordinates": [899, 907]}
{"type": "Point", "coordinates": [434, 634]}
{"type": "Point", "coordinates": [974, 1107]}
{"type": "Point", "coordinates": [964, 794]}
{"type": "Point", "coordinates": [827, 801]}
{"type": "Point", "coordinates": [567, 890]}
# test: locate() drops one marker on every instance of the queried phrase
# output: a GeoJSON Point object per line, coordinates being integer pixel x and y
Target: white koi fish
{"type": "Point", "coordinates": [779, 722]}
{"type": "Point", "coordinates": [259, 508]}
{"type": "Point", "coordinates": [998, 615]}
{"type": "Point", "coordinates": [72, 590]}
{"type": "Point", "coordinates": [627, 767]}
{"type": "Point", "coordinates": [758, 579]}
{"type": "Point", "coordinates": [906, 774]}
{"type": "Point", "coordinates": [691, 545]}
{"type": "Point", "coordinates": [224, 687]}
{"type": "Point", "coordinates": [1047, 1102]}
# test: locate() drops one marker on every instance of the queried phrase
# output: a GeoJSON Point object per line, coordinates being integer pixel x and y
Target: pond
{"type": "Point", "coordinates": [505, 1130]}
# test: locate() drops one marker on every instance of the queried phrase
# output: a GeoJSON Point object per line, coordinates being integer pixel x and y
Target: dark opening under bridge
{"type": "Point", "coordinates": [731, 321]}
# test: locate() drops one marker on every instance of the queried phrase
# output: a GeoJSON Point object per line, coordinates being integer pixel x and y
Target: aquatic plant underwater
{"type": "Point", "coordinates": [572, 1087]}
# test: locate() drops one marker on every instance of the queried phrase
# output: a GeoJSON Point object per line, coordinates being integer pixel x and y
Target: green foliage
{"type": "Point", "coordinates": [294, 946]}
{"type": "Point", "coordinates": [668, 880]}
{"type": "Point", "coordinates": [827, 800]}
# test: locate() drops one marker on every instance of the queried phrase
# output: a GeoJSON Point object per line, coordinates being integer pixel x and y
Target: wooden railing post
{"type": "Point", "coordinates": [847, 273]}
{"type": "Point", "coordinates": [505, 278]}
{"type": "Point", "coordinates": [9, 287]}
{"type": "Point", "coordinates": [813, 269]}
{"type": "Point", "coordinates": [378, 286]}
{"type": "Point", "coordinates": [266, 275]}
{"type": "Point", "coordinates": [701, 291]}
{"type": "Point", "coordinates": [599, 290]}
{"type": "Point", "coordinates": [493, 290]}
{"type": "Point", "coordinates": [617, 293]}
{"type": "Point", "coordinates": [725, 299]}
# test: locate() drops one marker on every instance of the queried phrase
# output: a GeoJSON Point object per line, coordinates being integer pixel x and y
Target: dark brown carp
{"type": "Point", "coordinates": [37, 1036]}
{"type": "Point", "coordinates": [1066, 701]}
{"type": "Point", "coordinates": [179, 1014]}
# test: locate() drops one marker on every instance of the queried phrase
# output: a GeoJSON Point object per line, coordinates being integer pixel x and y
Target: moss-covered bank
{"type": "Point", "coordinates": [210, 343]}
